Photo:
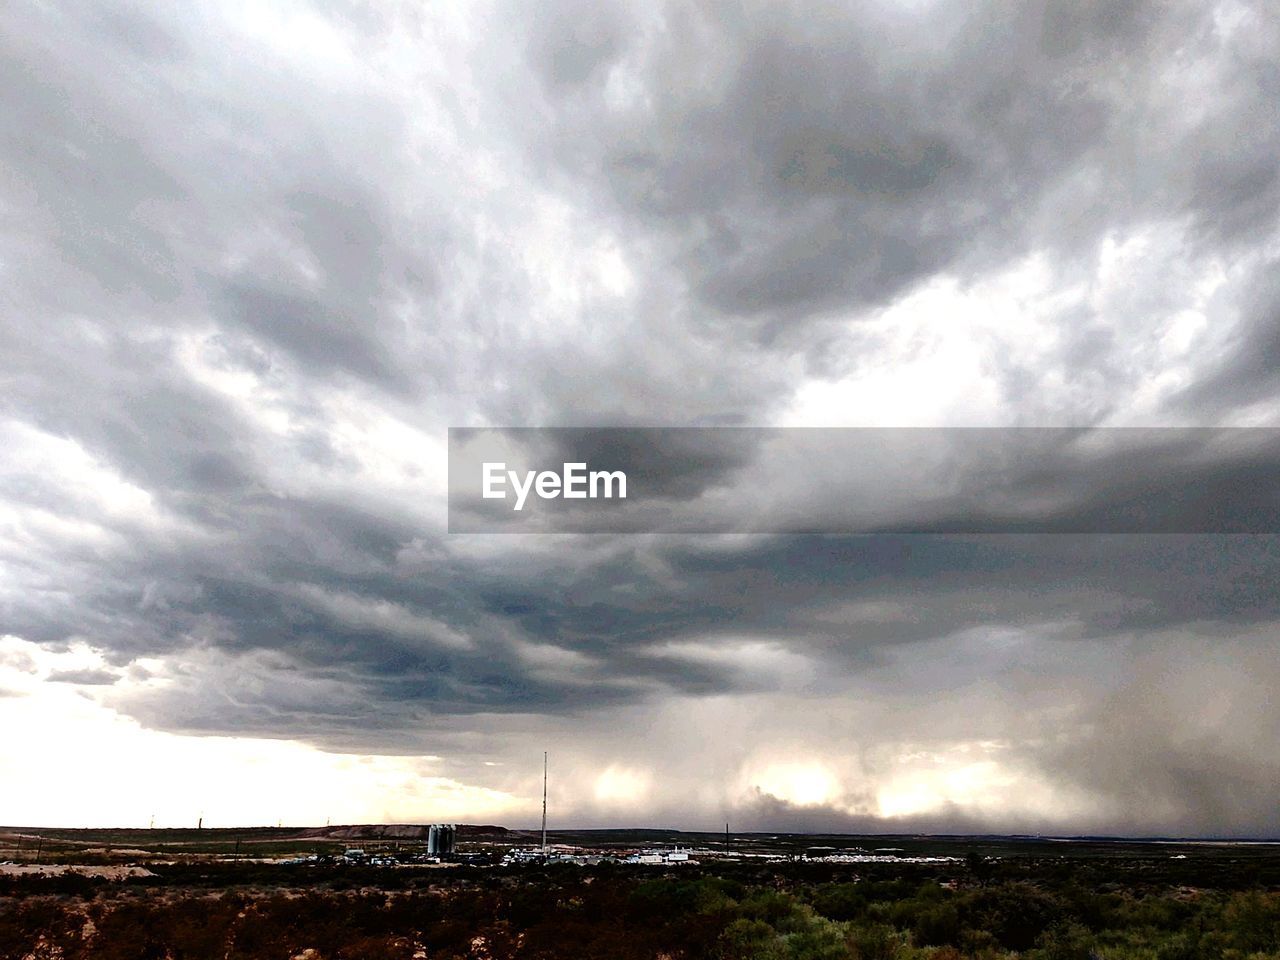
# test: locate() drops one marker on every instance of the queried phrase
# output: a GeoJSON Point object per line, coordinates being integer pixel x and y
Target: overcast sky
{"type": "Point", "coordinates": [255, 259]}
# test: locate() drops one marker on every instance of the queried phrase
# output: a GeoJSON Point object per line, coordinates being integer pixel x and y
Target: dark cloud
{"type": "Point", "coordinates": [254, 267]}
{"type": "Point", "coordinates": [1246, 373]}
{"type": "Point", "coordinates": [818, 160]}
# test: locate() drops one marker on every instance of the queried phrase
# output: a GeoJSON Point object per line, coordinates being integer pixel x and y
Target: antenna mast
{"type": "Point", "coordinates": [544, 801]}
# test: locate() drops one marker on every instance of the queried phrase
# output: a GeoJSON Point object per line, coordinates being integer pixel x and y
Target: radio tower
{"type": "Point", "coordinates": [544, 803]}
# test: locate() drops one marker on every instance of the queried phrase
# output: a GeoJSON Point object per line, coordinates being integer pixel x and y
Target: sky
{"type": "Point", "coordinates": [257, 258]}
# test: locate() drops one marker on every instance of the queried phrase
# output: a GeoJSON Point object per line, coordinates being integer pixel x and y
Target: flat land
{"type": "Point", "coordinates": [300, 893]}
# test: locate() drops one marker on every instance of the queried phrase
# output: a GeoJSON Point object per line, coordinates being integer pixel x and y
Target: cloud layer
{"type": "Point", "coordinates": [254, 261]}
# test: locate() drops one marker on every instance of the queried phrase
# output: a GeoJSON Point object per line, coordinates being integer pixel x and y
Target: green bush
{"type": "Point", "coordinates": [840, 901]}
{"type": "Point", "coordinates": [745, 939]}
{"type": "Point", "coordinates": [821, 939]}
{"type": "Point", "coordinates": [875, 942]}
{"type": "Point", "coordinates": [937, 926]}
{"type": "Point", "coordinates": [1066, 942]}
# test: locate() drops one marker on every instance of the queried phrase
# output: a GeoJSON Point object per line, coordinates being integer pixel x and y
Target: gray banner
{"type": "Point", "coordinates": [864, 480]}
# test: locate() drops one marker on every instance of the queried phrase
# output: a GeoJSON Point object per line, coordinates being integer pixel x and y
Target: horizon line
{"type": "Point", "coordinates": [1067, 837]}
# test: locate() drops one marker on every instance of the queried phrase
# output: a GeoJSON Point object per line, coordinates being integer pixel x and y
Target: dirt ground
{"type": "Point", "coordinates": [51, 870]}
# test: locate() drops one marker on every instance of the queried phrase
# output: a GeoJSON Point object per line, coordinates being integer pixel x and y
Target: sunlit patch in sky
{"type": "Point", "coordinates": [622, 785]}
{"type": "Point", "coordinates": [805, 784]}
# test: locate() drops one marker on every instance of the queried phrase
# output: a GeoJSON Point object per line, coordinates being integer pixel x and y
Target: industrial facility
{"type": "Point", "coordinates": [440, 839]}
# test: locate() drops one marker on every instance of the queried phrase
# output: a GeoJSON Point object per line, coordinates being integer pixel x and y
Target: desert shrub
{"type": "Point", "coordinates": [820, 939]}
{"type": "Point", "coordinates": [1182, 946]}
{"type": "Point", "coordinates": [668, 896]}
{"type": "Point", "coordinates": [745, 939]}
{"type": "Point", "coordinates": [1252, 922]}
{"type": "Point", "coordinates": [38, 927]}
{"type": "Point", "coordinates": [1066, 942]}
{"type": "Point", "coordinates": [782, 912]}
{"type": "Point", "coordinates": [1015, 914]}
{"type": "Point", "coordinates": [937, 925]}
{"type": "Point", "coordinates": [875, 942]}
{"type": "Point", "coordinates": [840, 901]}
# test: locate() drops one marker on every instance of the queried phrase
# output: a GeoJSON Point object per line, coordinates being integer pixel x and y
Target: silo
{"type": "Point", "coordinates": [433, 840]}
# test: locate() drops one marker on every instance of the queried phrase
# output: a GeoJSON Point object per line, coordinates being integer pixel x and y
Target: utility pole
{"type": "Point", "coordinates": [544, 803]}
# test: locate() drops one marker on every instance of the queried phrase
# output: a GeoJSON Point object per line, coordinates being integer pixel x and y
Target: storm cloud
{"type": "Point", "coordinates": [255, 263]}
